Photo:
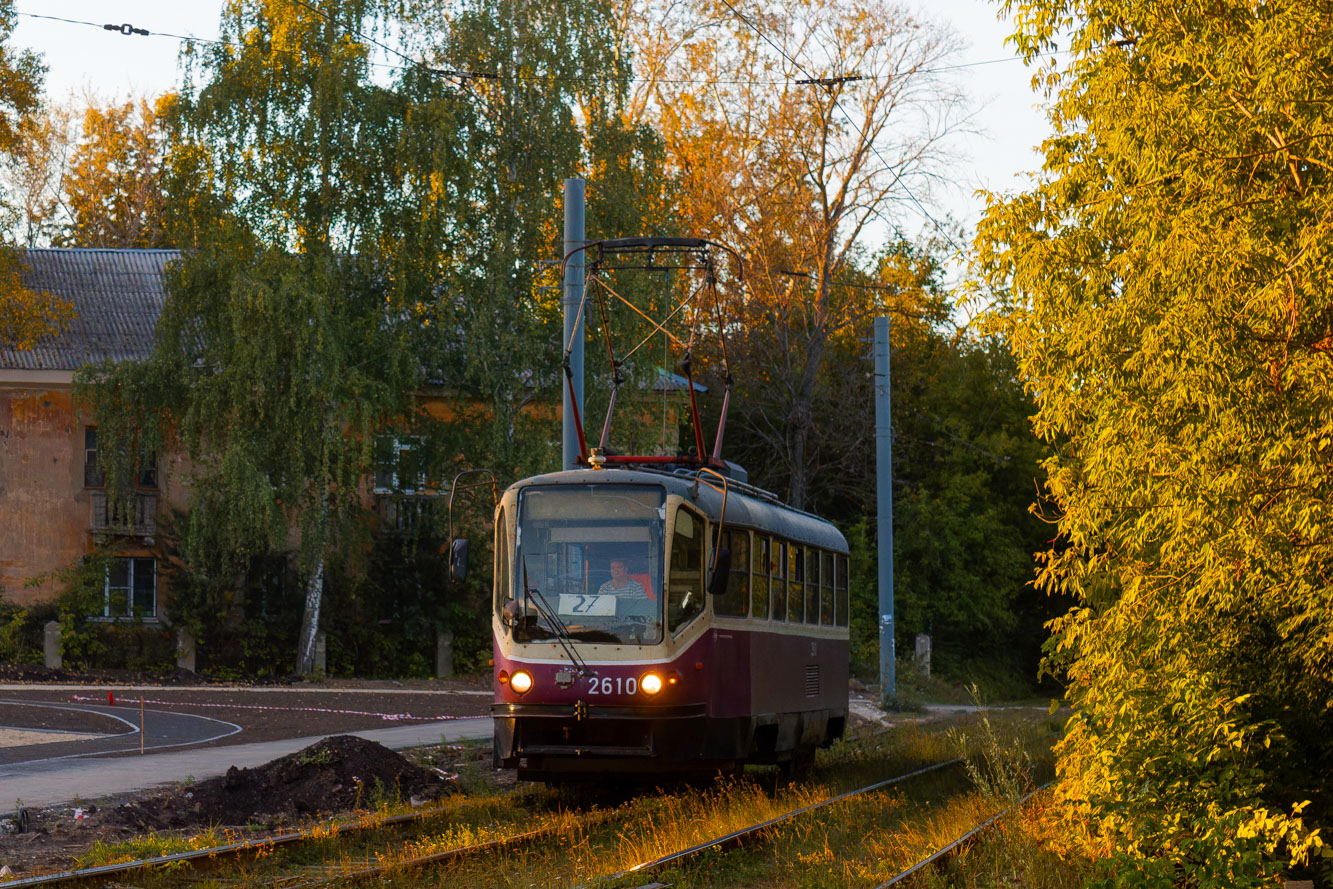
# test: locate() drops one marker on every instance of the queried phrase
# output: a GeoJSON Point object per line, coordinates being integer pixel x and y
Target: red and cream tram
{"type": "Point", "coordinates": [650, 622]}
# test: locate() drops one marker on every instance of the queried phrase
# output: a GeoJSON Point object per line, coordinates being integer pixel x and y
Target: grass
{"type": "Point", "coordinates": [1021, 851]}
{"type": "Point", "coordinates": [152, 845]}
{"type": "Point", "coordinates": [858, 842]}
{"type": "Point", "coordinates": [861, 841]}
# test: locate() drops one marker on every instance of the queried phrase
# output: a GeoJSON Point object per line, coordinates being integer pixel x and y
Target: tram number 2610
{"type": "Point", "coordinates": [608, 685]}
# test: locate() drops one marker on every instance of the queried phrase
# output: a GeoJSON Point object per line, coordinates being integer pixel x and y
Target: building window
{"type": "Point", "coordinates": [147, 471]}
{"type": "Point", "coordinates": [131, 589]}
{"type": "Point", "coordinates": [398, 466]}
{"type": "Point", "coordinates": [93, 476]}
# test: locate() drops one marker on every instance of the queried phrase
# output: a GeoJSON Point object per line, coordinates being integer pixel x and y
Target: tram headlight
{"type": "Point", "coordinates": [650, 683]}
{"type": "Point", "coordinates": [521, 681]}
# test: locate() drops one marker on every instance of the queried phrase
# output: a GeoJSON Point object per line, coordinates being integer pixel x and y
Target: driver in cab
{"type": "Point", "coordinates": [632, 600]}
{"type": "Point", "coordinates": [621, 584]}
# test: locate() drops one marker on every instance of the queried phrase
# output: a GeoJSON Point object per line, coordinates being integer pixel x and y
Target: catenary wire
{"type": "Point", "coordinates": [419, 64]}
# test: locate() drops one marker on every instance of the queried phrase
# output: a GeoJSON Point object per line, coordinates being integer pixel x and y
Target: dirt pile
{"type": "Point", "coordinates": [336, 774]}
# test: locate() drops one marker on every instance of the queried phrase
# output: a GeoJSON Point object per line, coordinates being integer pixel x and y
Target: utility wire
{"type": "Point", "coordinates": [851, 120]}
{"type": "Point", "coordinates": [128, 29]}
{"type": "Point", "coordinates": [418, 64]}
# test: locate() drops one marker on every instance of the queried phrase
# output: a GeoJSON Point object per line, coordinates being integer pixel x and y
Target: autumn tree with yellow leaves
{"type": "Point", "coordinates": [26, 316]}
{"type": "Point", "coordinates": [1167, 287]}
{"type": "Point", "coordinates": [115, 188]}
{"type": "Point", "coordinates": [798, 135]}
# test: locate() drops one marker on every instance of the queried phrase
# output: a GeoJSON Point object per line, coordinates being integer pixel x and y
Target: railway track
{"type": "Point", "coordinates": [345, 874]}
{"type": "Point", "coordinates": [738, 838]}
{"type": "Point", "coordinates": [953, 846]}
{"type": "Point", "coordinates": [364, 852]}
{"type": "Point", "coordinates": [379, 863]}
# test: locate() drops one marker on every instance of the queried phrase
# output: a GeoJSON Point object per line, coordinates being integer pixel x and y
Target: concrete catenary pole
{"type": "Point", "coordinates": [573, 295]}
{"type": "Point", "coordinates": [884, 503]}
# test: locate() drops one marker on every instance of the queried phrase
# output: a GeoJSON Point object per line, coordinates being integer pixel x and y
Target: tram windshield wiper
{"type": "Point", "coordinates": [561, 631]}
{"type": "Point", "coordinates": [562, 636]}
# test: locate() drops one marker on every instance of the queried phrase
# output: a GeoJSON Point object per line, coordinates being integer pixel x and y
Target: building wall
{"type": "Point", "coordinates": [45, 510]}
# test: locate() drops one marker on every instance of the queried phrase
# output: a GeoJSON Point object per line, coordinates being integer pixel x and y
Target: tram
{"type": "Point", "coordinates": [658, 614]}
{"type": "Point", "coordinates": [689, 671]}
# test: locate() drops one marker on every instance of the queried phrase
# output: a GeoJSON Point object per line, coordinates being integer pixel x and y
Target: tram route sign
{"type": "Point", "coordinates": [594, 606]}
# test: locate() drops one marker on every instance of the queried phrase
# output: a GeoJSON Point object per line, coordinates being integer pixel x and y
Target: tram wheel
{"type": "Point", "coordinates": [796, 768]}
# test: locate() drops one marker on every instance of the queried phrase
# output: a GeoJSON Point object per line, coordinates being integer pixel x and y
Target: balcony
{"type": "Point", "coordinates": [109, 518]}
{"type": "Point", "coordinates": [407, 512]}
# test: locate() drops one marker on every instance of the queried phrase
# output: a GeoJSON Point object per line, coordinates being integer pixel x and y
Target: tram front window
{"type": "Point", "coordinates": [593, 555]}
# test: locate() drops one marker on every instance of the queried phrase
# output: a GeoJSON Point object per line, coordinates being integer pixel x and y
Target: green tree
{"type": "Point", "coordinates": [21, 76]}
{"type": "Point", "coordinates": [312, 205]}
{"type": "Point", "coordinates": [550, 94]}
{"type": "Point", "coordinates": [964, 465]}
{"type": "Point", "coordinates": [351, 240]}
{"type": "Point", "coordinates": [1166, 286]}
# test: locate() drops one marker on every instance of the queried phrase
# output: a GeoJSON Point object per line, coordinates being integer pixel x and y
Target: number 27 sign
{"type": "Point", "coordinates": [597, 606]}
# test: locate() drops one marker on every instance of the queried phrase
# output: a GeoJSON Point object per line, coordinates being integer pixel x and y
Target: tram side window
{"type": "Point", "coordinates": [777, 579]}
{"type": "Point", "coordinates": [736, 600]}
{"type": "Point", "coordinates": [840, 590]}
{"type": "Point", "coordinates": [502, 591]}
{"type": "Point", "coordinates": [795, 584]}
{"type": "Point", "coordinates": [759, 581]}
{"type": "Point", "coordinates": [685, 583]}
{"type": "Point", "coordinates": [826, 589]}
{"type": "Point", "coordinates": [811, 585]}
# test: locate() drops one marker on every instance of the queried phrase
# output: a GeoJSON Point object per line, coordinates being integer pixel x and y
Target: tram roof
{"type": "Point", "coordinates": [747, 506]}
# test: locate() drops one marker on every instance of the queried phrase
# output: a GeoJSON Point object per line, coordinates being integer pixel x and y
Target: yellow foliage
{"type": "Point", "coordinates": [27, 317]}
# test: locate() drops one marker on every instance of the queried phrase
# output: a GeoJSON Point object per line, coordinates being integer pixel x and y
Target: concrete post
{"type": "Point", "coordinates": [185, 653]}
{"type": "Point", "coordinates": [321, 653]}
{"type": "Point", "coordinates": [51, 645]}
{"type": "Point", "coordinates": [923, 654]}
{"type": "Point", "coordinates": [444, 654]}
{"type": "Point", "coordinates": [884, 505]}
{"type": "Point", "coordinates": [573, 333]}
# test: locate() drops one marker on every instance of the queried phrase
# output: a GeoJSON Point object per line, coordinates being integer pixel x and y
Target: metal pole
{"type": "Point", "coordinates": [884, 504]}
{"type": "Point", "coordinates": [573, 295]}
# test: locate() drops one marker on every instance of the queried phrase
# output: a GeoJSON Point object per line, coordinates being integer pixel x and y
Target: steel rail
{"type": "Point", "coordinates": [320, 831]}
{"type": "Point", "coordinates": [965, 838]}
{"type": "Point", "coordinates": [730, 839]}
{"type": "Point", "coordinates": [737, 837]}
{"type": "Point", "coordinates": [443, 856]}
{"type": "Point", "coordinates": [597, 818]}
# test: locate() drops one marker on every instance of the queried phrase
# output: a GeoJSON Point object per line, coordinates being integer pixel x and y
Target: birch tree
{"type": "Point", "coordinates": [361, 192]}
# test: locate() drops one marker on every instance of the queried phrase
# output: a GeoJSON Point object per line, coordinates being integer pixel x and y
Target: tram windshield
{"type": "Point", "coordinates": [592, 555]}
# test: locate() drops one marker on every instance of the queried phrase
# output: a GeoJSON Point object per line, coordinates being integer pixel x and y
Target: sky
{"type": "Point", "coordinates": [1008, 123]}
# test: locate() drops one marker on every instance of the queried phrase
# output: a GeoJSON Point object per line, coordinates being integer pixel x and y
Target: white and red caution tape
{"type": "Point", "coordinates": [387, 717]}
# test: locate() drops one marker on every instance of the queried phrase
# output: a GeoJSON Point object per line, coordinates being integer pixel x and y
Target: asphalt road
{"type": "Point", "coordinates": [52, 781]}
{"type": "Point", "coordinates": [161, 730]}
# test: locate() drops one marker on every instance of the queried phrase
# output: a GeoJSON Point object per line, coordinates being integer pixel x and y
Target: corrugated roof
{"type": "Point", "coordinates": [118, 295]}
